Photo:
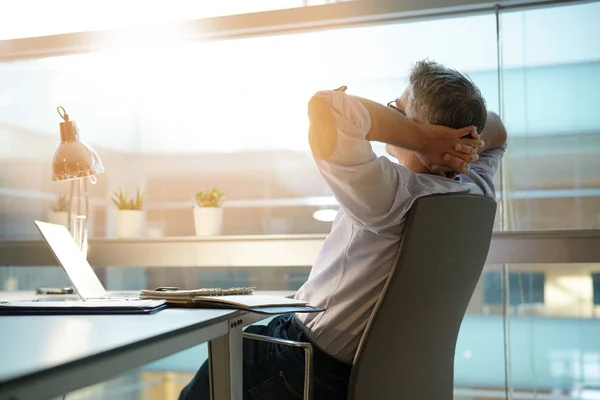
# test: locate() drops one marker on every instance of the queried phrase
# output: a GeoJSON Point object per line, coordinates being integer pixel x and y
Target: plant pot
{"type": "Point", "coordinates": [59, 218]}
{"type": "Point", "coordinates": [130, 223]}
{"type": "Point", "coordinates": [208, 221]}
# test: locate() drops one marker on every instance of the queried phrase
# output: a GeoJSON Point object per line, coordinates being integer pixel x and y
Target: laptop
{"type": "Point", "coordinates": [80, 272]}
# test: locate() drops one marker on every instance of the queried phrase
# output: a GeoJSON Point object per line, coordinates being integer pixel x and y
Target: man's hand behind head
{"type": "Point", "coordinates": [493, 136]}
{"type": "Point", "coordinates": [445, 150]}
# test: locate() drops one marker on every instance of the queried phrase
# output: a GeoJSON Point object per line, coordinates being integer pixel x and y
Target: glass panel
{"type": "Point", "coordinates": [554, 343]}
{"type": "Point", "coordinates": [551, 78]}
{"type": "Point", "coordinates": [479, 357]}
{"type": "Point", "coordinates": [137, 278]}
{"type": "Point", "coordinates": [65, 16]}
{"type": "Point", "coordinates": [227, 114]}
{"type": "Point", "coordinates": [160, 380]}
{"type": "Point", "coordinates": [30, 278]}
{"type": "Point", "coordinates": [553, 329]}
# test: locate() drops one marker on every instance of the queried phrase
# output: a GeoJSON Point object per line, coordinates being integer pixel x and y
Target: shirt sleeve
{"type": "Point", "coordinates": [367, 187]}
{"type": "Point", "coordinates": [482, 171]}
{"type": "Point", "coordinates": [489, 161]}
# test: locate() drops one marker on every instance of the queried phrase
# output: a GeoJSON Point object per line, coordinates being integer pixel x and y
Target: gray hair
{"type": "Point", "coordinates": [443, 96]}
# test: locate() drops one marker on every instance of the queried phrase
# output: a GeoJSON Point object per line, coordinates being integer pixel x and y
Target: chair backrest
{"type": "Point", "coordinates": [407, 350]}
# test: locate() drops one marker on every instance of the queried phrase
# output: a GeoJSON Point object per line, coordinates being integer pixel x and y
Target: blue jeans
{"type": "Point", "coordinates": [276, 372]}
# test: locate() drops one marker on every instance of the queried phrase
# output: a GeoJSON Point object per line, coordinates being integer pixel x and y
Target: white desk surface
{"type": "Point", "coordinates": [52, 355]}
{"type": "Point", "coordinates": [29, 294]}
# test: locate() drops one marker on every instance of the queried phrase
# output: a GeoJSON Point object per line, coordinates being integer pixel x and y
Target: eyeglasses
{"type": "Point", "coordinates": [392, 105]}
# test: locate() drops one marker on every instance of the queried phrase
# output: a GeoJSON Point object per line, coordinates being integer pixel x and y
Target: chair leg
{"type": "Point", "coordinates": [308, 356]}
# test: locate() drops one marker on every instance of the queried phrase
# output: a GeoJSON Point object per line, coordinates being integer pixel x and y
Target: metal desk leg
{"type": "Point", "coordinates": [225, 364]}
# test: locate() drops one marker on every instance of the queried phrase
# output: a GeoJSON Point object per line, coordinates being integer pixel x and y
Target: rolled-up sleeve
{"type": "Point", "coordinates": [366, 186]}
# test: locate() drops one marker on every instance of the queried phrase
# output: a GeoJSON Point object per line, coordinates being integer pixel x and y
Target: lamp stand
{"type": "Point", "coordinates": [78, 222]}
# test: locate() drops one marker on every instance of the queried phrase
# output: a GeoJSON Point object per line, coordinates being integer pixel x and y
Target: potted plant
{"type": "Point", "coordinates": [59, 213]}
{"type": "Point", "coordinates": [208, 213]}
{"type": "Point", "coordinates": [130, 215]}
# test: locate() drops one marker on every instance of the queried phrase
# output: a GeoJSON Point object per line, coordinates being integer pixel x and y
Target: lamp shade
{"type": "Point", "coordinates": [73, 158]}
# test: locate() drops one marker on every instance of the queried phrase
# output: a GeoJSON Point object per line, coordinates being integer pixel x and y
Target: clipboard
{"type": "Point", "coordinates": [109, 307]}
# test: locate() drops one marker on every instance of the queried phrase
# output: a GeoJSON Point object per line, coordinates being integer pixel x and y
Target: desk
{"type": "Point", "coordinates": [47, 356]}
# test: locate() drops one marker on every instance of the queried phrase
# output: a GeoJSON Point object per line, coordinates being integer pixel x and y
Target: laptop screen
{"type": "Point", "coordinates": [73, 262]}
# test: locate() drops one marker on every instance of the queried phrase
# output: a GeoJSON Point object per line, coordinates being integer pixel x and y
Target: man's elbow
{"type": "Point", "coordinates": [496, 128]}
{"type": "Point", "coordinates": [322, 134]}
{"type": "Point", "coordinates": [501, 128]}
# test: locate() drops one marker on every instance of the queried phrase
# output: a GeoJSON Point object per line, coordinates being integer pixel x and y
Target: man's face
{"type": "Point", "coordinates": [406, 157]}
{"type": "Point", "coordinates": [404, 104]}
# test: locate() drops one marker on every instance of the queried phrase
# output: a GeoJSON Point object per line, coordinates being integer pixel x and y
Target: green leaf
{"type": "Point", "coordinates": [211, 198]}
{"type": "Point", "coordinates": [123, 202]}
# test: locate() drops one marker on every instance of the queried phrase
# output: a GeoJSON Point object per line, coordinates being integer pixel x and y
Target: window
{"type": "Point", "coordinates": [229, 114]}
{"type": "Point", "coordinates": [232, 114]}
{"type": "Point", "coordinates": [551, 78]}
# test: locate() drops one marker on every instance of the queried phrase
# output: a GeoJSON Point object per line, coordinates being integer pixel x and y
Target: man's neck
{"type": "Point", "coordinates": [414, 164]}
{"type": "Point", "coordinates": [417, 167]}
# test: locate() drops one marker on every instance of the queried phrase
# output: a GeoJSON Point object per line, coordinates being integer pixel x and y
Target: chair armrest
{"type": "Point", "coordinates": [308, 351]}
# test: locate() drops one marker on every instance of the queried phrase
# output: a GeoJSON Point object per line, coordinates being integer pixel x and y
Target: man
{"type": "Point", "coordinates": [425, 130]}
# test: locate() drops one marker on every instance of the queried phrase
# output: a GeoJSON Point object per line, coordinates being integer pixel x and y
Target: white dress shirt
{"type": "Point", "coordinates": [374, 194]}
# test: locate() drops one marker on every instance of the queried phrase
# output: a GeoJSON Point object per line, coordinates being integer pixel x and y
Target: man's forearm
{"type": "Point", "coordinates": [392, 127]}
{"type": "Point", "coordinates": [494, 133]}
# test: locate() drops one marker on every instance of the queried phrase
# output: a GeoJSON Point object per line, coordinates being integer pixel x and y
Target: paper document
{"type": "Point", "coordinates": [251, 300]}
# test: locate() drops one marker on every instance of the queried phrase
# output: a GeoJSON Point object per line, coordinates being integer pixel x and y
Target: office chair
{"type": "Point", "coordinates": [407, 349]}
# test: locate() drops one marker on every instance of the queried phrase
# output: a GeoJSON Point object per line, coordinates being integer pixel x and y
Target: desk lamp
{"type": "Point", "coordinates": [77, 162]}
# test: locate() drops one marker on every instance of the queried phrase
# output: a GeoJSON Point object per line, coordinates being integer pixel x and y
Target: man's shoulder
{"type": "Point", "coordinates": [421, 185]}
{"type": "Point", "coordinates": [426, 184]}
{"type": "Point", "coordinates": [413, 186]}
{"type": "Point", "coordinates": [417, 185]}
